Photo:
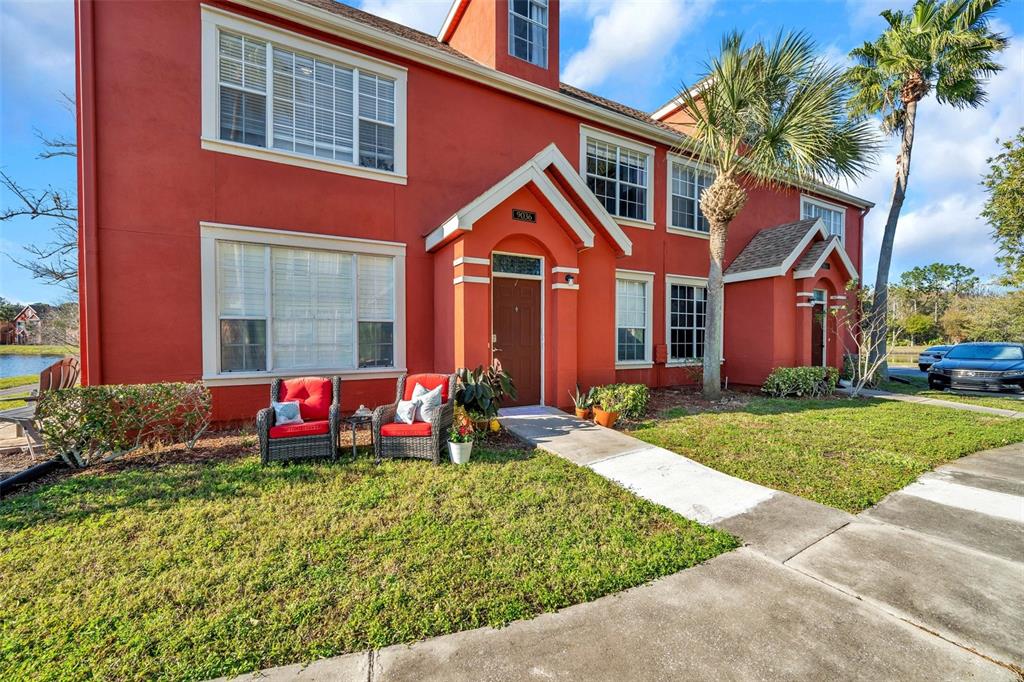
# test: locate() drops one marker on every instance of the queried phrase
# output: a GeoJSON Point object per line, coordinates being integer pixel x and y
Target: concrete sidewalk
{"type": "Point", "coordinates": [905, 398]}
{"type": "Point", "coordinates": [927, 585]}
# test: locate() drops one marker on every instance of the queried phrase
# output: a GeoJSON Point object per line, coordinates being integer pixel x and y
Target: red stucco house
{"type": "Point", "coordinates": [290, 187]}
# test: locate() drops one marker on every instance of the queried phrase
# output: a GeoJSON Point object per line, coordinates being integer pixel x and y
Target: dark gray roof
{"type": "Point", "coordinates": [813, 253]}
{"type": "Point", "coordinates": [771, 247]}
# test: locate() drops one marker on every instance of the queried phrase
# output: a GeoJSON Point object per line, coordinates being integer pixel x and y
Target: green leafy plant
{"type": "Point", "coordinates": [88, 425]}
{"type": "Point", "coordinates": [581, 400]}
{"type": "Point", "coordinates": [462, 427]}
{"type": "Point", "coordinates": [806, 382]}
{"type": "Point", "coordinates": [629, 400]}
{"type": "Point", "coordinates": [482, 390]}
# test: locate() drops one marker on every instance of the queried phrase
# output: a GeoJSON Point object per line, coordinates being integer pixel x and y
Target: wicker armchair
{"type": "Point", "coordinates": [317, 436]}
{"type": "Point", "coordinates": [420, 439]}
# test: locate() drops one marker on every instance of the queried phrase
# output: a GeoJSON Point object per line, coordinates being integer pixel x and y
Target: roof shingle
{"type": "Point", "coordinates": [771, 247]}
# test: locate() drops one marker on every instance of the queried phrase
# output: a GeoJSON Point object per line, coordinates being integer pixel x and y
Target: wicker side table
{"type": "Point", "coordinates": [360, 418]}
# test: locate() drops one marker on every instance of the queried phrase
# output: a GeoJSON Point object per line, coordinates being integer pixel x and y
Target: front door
{"type": "Point", "coordinates": [818, 328]}
{"type": "Point", "coordinates": [516, 340]}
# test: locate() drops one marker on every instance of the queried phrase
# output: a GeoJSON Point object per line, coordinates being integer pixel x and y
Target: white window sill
{"type": "Point", "coordinates": [634, 365]}
{"type": "Point", "coordinates": [632, 222]}
{"type": "Point", "coordinates": [688, 363]}
{"type": "Point", "coordinates": [249, 378]}
{"type": "Point", "coordinates": [301, 160]}
{"type": "Point", "coordinates": [688, 232]}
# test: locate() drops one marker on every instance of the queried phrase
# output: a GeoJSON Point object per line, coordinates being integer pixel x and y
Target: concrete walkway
{"type": "Point", "coordinates": [927, 585]}
{"type": "Point", "coordinates": [903, 397]}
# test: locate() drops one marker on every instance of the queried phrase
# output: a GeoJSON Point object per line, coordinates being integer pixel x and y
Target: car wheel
{"type": "Point", "coordinates": [923, 368]}
{"type": "Point", "coordinates": [935, 384]}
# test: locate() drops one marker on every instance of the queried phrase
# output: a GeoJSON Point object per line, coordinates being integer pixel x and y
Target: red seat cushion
{"type": "Point", "coordinates": [304, 429]}
{"type": "Point", "coordinates": [403, 430]}
{"type": "Point", "coordinates": [312, 393]}
{"type": "Point", "coordinates": [427, 381]}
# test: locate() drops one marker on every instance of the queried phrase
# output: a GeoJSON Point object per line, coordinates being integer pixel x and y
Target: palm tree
{"type": "Point", "coordinates": [762, 115]}
{"type": "Point", "coordinates": [945, 47]}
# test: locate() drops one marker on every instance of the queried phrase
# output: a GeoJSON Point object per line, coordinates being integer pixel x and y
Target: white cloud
{"type": "Point", "coordinates": [864, 13]}
{"type": "Point", "coordinates": [940, 219]}
{"type": "Point", "coordinates": [37, 43]}
{"type": "Point", "coordinates": [425, 15]}
{"type": "Point", "coordinates": [631, 39]}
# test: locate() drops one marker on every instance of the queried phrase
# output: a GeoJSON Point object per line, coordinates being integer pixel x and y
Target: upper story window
{"type": "Point", "coordinates": [528, 31]}
{"type": "Point", "coordinates": [281, 97]}
{"type": "Point", "coordinates": [618, 174]}
{"type": "Point", "coordinates": [833, 216]}
{"type": "Point", "coordinates": [687, 181]}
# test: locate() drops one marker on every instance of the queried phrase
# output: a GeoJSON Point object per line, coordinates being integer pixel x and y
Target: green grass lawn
{"type": "Point", "coordinates": [844, 453]}
{"type": "Point", "coordinates": [23, 380]}
{"type": "Point", "coordinates": [195, 570]}
{"type": "Point", "coordinates": [919, 386]}
{"type": "Point", "coordinates": [39, 350]}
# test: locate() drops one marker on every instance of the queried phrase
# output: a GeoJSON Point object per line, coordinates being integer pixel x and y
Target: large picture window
{"type": "Point", "coordinates": [282, 308]}
{"type": "Point", "coordinates": [282, 97]}
{"type": "Point", "coordinates": [633, 318]}
{"type": "Point", "coordinates": [618, 175]}
{"type": "Point", "coordinates": [688, 181]}
{"type": "Point", "coordinates": [528, 31]}
{"type": "Point", "coordinates": [834, 217]}
{"type": "Point", "coordinates": [686, 321]}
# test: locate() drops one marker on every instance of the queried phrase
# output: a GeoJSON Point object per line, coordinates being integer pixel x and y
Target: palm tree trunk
{"type": "Point", "coordinates": [899, 193]}
{"type": "Point", "coordinates": [714, 309]}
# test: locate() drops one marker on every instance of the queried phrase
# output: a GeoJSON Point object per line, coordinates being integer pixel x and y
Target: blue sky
{"type": "Point", "coordinates": [634, 51]}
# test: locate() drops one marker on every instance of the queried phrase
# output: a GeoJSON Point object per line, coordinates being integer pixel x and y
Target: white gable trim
{"type": "Point", "coordinates": [837, 247]}
{"type": "Point", "coordinates": [818, 228]}
{"type": "Point", "coordinates": [533, 172]}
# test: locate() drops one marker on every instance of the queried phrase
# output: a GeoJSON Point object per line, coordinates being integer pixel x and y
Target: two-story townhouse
{"type": "Point", "coordinates": [291, 187]}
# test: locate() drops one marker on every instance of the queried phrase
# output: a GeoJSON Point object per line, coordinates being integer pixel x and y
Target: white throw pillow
{"type": "Point", "coordinates": [406, 412]}
{"type": "Point", "coordinates": [286, 413]}
{"type": "Point", "coordinates": [430, 402]}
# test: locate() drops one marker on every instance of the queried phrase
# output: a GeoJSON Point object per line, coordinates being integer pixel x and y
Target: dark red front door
{"type": "Point", "coordinates": [516, 341]}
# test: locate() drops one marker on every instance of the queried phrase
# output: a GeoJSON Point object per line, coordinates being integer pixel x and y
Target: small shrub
{"type": "Point", "coordinates": [805, 382]}
{"type": "Point", "coordinates": [629, 400]}
{"type": "Point", "coordinates": [88, 425]}
{"type": "Point", "coordinates": [482, 390]}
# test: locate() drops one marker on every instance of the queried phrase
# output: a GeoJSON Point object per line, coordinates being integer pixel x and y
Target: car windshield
{"type": "Point", "coordinates": [972, 352]}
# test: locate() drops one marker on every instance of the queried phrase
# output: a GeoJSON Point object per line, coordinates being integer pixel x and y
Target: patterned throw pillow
{"type": "Point", "coordinates": [406, 412]}
{"type": "Point", "coordinates": [286, 412]}
{"type": "Point", "coordinates": [430, 402]}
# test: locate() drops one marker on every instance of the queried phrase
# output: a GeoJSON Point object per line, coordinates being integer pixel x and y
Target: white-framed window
{"type": "Point", "coordinates": [619, 173]}
{"type": "Point", "coordinates": [687, 180]}
{"type": "Point", "coordinates": [686, 318]}
{"type": "Point", "coordinates": [633, 312]}
{"type": "Point", "coordinates": [271, 94]}
{"type": "Point", "coordinates": [528, 31]}
{"type": "Point", "coordinates": [278, 303]}
{"type": "Point", "coordinates": [832, 215]}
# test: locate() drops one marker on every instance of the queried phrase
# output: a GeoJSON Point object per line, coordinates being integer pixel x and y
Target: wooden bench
{"type": "Point", "coordinates": [61, 374]}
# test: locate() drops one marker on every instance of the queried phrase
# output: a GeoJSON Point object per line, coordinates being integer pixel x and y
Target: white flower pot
{"type": "Point", "coordinates": [460, 452]}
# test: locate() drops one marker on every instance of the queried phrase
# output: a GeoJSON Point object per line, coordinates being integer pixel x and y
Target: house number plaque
{"type": "Point", "coordinates": [525, 216]}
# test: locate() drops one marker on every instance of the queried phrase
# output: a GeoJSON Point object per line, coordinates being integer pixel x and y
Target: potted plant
{"type": "Point", "coordinates": [582, 402]}
{"type": "Point", "coordinates": [607, 404]}
{"type": "Point", "coordinates": [481, 391]}
{"type": "Point", "coordinates": [460, 439]}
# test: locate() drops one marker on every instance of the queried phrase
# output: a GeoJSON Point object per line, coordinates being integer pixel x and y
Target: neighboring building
{"type": "Point", "coordinates": [25, 328]}
{"type": "Point", "coordinates": [289, 187]}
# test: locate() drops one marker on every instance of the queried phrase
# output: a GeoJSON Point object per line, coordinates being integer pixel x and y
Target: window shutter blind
{"type": "Point", "coordinates": [376, 288]}
{"type": "Point", "coordinates": [241, 280]}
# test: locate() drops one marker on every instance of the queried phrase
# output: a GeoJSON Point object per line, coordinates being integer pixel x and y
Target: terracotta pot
{"type": "Point", "coordinates": [583, 414]}
{"type": "Point", "coordinates": [481, 425]}
{"type": "Point", "coordinates": [603, 418]}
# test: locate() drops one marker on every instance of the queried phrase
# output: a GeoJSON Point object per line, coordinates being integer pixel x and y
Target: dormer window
{"type": "Point", "coordinates": [528, 31]}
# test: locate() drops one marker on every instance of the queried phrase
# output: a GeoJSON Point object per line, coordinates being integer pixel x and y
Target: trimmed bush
{"type": "Point", "coordinates": [804, 382]}
{"type": "Point", "coordinates": [629, 400]}
{"type": "Point", "coordinates": [88, 425]}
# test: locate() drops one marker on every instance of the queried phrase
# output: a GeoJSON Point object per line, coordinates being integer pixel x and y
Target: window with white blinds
{"type": "Point", "coordinates": [283, 308]}
{"type": "Point", "coordinates": [275, 97]}
{"type": "Point", "coordinates": [633, 317]}
{"type": "Point", "coordinates": [688, 181]}
{"type": "Point", "coordinates": [528, 31]}
{"type": "Point", "coordinates": [834, 217]}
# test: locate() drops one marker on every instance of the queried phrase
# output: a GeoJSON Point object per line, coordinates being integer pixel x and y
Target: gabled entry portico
{"type": "Point", "coordinates": [508, 273]}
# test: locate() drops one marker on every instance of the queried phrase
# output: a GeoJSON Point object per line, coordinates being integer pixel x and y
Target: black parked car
{"type": "Point", "coordinates": [980, 367]}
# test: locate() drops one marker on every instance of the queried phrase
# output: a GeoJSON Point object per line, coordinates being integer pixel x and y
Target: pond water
{"type": "Point", "coordinates": [16, 365]}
